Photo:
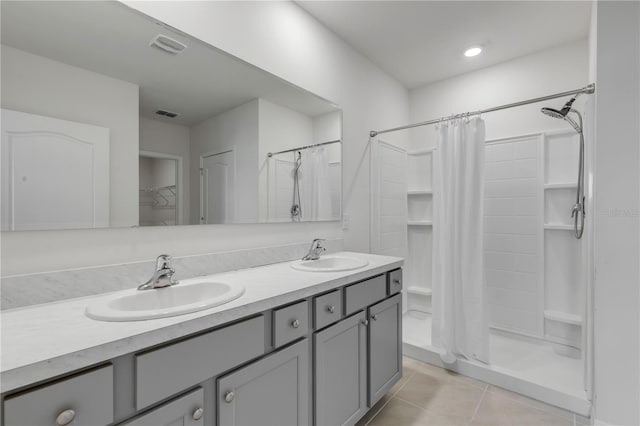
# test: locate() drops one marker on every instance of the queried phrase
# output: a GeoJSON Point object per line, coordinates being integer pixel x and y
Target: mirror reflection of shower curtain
{"type": "Point", "coordinates": [460, 325]}
{"type": "Point", "coordinates": [315, 185]}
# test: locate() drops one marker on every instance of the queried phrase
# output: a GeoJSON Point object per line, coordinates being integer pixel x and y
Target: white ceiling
{"type": "Point", "coordinates": [419, 42]}
{"type": "Point", "coordinates": [110, 39]}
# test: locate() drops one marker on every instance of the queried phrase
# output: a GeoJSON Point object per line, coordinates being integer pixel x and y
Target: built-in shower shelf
{"type": "Point", "coordinates": [420, 192]}
{"type": "Point", "coordinates": [558, 227]}
{"type": "Point", "coordinates": [420, 223]}
{"type": "Point", "coordinates": [563, 317]}
{"type": "Point", "coordinates": [420, 291]}
{"type": "Point", "coordinates": [566, 185]}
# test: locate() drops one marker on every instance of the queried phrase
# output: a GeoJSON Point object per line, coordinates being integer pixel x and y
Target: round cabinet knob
{"type": "Point", "coordinates": [228, 397]}
{"type": "Point", "coordinates": [65, 418]}
{"type": "Point", "coordinates": [365, 322]}
{"type": "Point", "coordinates": [373, 317]}
{"type": "Point", "coordinates": [295, 323]}
{"type": "Point", "coordinates": [197, 415]}
{"type": "Point", "coordinates": [331, 309]}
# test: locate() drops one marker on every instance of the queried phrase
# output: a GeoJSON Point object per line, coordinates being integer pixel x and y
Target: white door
{"type": "Point", "coordinates": [55, 173]}
{"type": "Point", "coordinates": [217, 188]}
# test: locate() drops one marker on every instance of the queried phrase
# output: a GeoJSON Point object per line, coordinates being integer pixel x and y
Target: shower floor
{"type": "Point", "coordinates": [523, 365]}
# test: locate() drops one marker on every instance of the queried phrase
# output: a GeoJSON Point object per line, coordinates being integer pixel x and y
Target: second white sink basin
{"type": "Point", "coordinates": [330, 264]}
{"type": "Point", "coordinates": [183, 298]}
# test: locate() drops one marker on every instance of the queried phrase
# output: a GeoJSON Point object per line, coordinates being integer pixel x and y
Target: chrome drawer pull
{"type": "Point", "coordinates": [364, 322]}
{"type": "Point", "coordinates": [396, 281]}
{"type": "Point", "coordinates": [197, 415]}
{"type": "Point", "coordinates": [65, 418]}
{"type": "Point", "coordinates": [331, 309]}
{"type": "Point", "coordinates": [295, 323]}
{"type": "Point", "coordinates": [228, 397]}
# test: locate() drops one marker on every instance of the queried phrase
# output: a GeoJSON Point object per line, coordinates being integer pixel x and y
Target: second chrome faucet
{"type": "Point", "coordinates": [162, 276]}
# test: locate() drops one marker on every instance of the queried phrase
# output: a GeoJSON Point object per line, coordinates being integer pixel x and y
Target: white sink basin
{"type": "Point", "coordinates": [330, 264]}
{"type": "Point", "coordinates": [183, 298]}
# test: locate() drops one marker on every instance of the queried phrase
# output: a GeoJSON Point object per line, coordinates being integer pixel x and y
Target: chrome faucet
{"type": "Point", "coordinates": [315, 250]}
{"type": "Point", "coordinates": [162, 276]}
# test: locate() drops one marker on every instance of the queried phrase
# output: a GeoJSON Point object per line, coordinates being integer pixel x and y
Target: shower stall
{"type": "Point", "coordinates": [535, 255]}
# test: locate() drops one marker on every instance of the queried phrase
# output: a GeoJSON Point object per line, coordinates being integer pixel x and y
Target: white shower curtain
{"type": "Point", "coordinates": [460, 326]}
{"type": "Point", "coordinates": [316, 185]}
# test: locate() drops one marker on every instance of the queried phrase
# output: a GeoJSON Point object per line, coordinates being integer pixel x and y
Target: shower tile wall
{"type": "Point", "coordinates": [512, 232]}
{"type": "Point", "coordinates": [389, 174]}
{"type": "Point", "coordinates": [280, 190]}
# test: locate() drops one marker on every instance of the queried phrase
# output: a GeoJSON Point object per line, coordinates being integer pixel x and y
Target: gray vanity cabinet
{"type": "Point", "coordinates": [323, 360]}
{"type": "Point", "coordinates": [274, 391]}
{"type": "Point", "coordinates": [340, 374]}
{"type": "Point", "coordinates": [186, 410]}
{"type": "Point", "coordinates": [385, 352]}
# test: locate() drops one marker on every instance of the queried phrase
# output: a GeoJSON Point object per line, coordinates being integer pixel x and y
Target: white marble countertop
{"type": "Point", "coordinates": [44, 341]}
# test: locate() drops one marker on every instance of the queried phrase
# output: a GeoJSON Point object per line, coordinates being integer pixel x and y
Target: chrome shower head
{"type": "Point", "coordinates": [553, 113]}
{"type": "Point", "coordinates": [563, 114]}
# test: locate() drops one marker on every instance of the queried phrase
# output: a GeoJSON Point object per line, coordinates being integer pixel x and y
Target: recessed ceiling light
{"type": "Point", "coordinates": [472, 51]}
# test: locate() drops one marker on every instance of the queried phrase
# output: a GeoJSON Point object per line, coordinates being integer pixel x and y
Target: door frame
{"type": "Point", "coordinates": [204, 155]}
{"type": "Point", "coordinates": [179, 184]}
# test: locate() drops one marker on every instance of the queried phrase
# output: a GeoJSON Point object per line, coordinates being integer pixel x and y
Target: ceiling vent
{"type": "Point", "coordinates": [167, 44]}
{"type": "Point", "coordinates": [166, 113]}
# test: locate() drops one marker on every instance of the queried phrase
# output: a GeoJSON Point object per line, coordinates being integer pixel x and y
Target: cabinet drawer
{"type": "Point", "coordinates": [327, 309]}
{"type": "Point", "coordinates": [290, 323]}
{"type": "Point", "coordinates": [395, 281]}
{"type": "Point", "coordinates": [163, 372]}
{"type": "Point", "coordinates": [364, 293]}
{"type": "Point", "coordinates": [187, 410]}
{"type": "Point", "coordinates": [89, 395]}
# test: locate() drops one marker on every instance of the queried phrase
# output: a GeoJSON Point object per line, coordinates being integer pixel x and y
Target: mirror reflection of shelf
{"type": "Point", "coordinates": [420, 223]}
{"type": "Point", "coordinates": [567, 185]}
{"type": "Point", "coordinates": [420, 192]}
{"type": "Point", "coordinates": [163, 197]}
{"type": "Point", "coordinates": [421, 151]}
{"type": "Point", "coordinates": [558, 227]}
{"type": "Point", "coordinates": [563, 317]}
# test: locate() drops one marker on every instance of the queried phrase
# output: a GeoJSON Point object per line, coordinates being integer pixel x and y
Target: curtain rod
{"type": "Point", "coordinates": [591, 88]}
{"type": "Point", "coordinates": [271, 154]}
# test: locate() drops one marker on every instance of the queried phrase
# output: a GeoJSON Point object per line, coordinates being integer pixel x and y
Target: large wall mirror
{"type": "Point", "coordinates": [110, 119]}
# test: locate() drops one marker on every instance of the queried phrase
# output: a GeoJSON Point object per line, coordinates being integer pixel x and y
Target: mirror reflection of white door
{"type": "Point", "coordinates": [55, 173]}
{"type": "Point", "coordinates": [217, 186]}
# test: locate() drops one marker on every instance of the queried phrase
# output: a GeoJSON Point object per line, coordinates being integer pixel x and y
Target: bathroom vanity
{"type": "Point", "coordinates": [296, 348]}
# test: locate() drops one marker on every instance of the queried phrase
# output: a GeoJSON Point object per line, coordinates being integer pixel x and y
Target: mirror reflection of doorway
{"type": "Point", "coordinates": [158, 195]}
{"type": "Point", "coordinates": [217, 176]}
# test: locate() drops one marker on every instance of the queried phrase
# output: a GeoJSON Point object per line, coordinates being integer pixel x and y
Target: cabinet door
{"type": "Point", "coordinates": [385, 346]}
{"type": "Point", "coordinates": [186, 410]}
{"type": "Point", "coordinates": [340, 372]}
{"type": "Point", "coordinates": [272, 391]}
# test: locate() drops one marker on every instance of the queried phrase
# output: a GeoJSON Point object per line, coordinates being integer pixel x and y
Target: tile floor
{"type": "Point", "coordinates": [428, 395]}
